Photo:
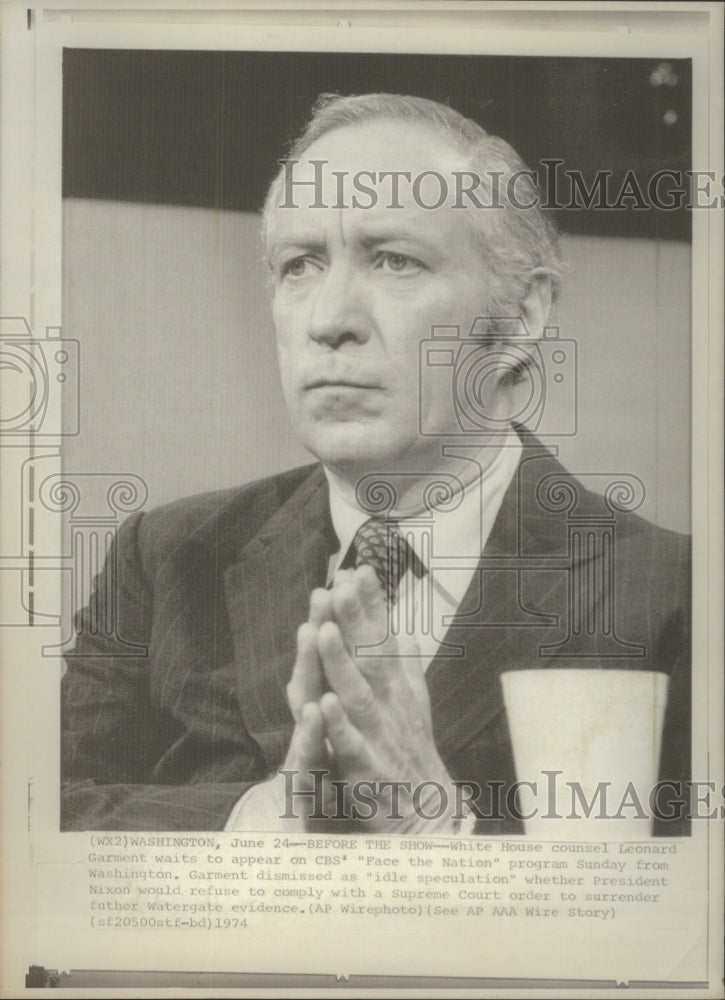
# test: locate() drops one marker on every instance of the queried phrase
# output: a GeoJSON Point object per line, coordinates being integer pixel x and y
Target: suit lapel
{"type": "Point", "coordinates": [267, 593]}
{"type": "Point", "coordinates": [504, 612]}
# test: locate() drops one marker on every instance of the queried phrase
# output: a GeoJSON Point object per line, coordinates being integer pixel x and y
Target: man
{"type": "Point", "coordinates": [325, 647]}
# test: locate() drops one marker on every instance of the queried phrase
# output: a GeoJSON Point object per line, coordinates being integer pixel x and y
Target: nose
{"type": "Point", "coordinates": [339, 312]}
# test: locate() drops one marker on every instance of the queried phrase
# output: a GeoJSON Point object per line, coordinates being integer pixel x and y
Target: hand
{"type": "Point", "coordinates": [377, 716]}
{"type": "Point", "coordinates": [307, 681]}
{"type": "Point", "coordinates": [308, 751]}
{"type": "Point", "coordinates": [290, 802]}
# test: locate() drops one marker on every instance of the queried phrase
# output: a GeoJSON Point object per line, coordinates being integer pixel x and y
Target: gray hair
{"type": "Point", "coordinates": [515, 241]}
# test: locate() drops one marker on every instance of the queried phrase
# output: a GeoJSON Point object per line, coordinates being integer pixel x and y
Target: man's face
{"type": "Point", "coordinates": [356, 290]}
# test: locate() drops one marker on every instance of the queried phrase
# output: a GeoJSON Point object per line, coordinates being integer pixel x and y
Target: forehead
{"type": "Point", "coordinates": [346, 174]}
{"type": "Point", "coordinates": [384, 144]}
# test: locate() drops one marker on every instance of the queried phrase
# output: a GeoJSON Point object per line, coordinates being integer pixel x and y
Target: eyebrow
{"type": "Point", "coordinates": [276, 244]}
{"type": "Point", "coordinates": [389, 234]}
{"type": "Point", "coordinates": [367, 239]}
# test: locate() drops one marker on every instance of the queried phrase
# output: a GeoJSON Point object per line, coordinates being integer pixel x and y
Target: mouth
{"type": "Point", "coordinates": [340, 383]}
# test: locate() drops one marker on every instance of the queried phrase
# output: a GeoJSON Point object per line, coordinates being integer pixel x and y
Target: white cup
{"type": "Point", "coordinates": [594, 726]}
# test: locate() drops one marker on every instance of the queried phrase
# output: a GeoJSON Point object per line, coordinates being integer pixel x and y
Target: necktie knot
{"type": "Point", "coordinates": [380, 544]}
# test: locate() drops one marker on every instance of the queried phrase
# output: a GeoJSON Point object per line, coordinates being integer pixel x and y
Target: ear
{"type": "Point", "coordinates": [537, 302]}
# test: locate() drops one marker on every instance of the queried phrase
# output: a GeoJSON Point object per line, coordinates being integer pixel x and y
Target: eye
{"type": "Point", "coordinates": [297, 267]}
{"type": "Point", "coordinates": [399, 263]}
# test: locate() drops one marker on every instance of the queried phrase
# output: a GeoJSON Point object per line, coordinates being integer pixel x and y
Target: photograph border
{"type": "Point", "coordinates": [31, 288]}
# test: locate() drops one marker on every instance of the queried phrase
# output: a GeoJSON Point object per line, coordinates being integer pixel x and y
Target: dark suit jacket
{"type": "Point", "coordinates": [170, 719]}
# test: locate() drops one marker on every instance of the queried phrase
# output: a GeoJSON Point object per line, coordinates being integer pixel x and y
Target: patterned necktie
{"type": "Point", "coordinates": [381, 545]}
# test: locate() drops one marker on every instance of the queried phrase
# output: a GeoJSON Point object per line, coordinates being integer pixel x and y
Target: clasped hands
{"type": "Point", "coordinates": [363, 734]}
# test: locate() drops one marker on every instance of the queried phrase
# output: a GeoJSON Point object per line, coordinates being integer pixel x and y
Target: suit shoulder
{"type": "Point", "coordinates": [206, 514]}
{"type": "Point", "coordinates": [654, 548]}
{"type": "Point", "coordinates": [671, 546]}
{"type": "Point", "coordinates": [552, 498]}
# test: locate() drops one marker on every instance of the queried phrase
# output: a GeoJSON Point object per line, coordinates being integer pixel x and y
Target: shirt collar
{"type": "Point", "coordinates": [459, 529]}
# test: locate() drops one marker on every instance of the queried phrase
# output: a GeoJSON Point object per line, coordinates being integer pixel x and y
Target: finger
{"type": "Point", "coordinates": [371, 593]}
{"type": "Point", "coordinates": [364, 637]}
{"type": "Point", "coordinates": [305, 684]}
{"type": "Point", "coordinates": [307, 754]}
{"type": "Point", "coordinates": [307, 748]}
{"type": "Point", "coordinates": [411, 685]}
{"type": "Point", "coordinates": [342, 576]}
{"type": "Point", "coordinates": [349, 614]}
{"type": "Point", "coordinates": [411, 669]}
{"type": "Point", "coordinates": [345, 679]}
{"type": "Point", "coordinates": [320, 606]}
{"type": "Point", "coordinates": [376, 610]}
{"type": "Point", "coordinates": [348, 744]}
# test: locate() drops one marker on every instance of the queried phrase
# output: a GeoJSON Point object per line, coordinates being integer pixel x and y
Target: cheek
{"type": "Point", "coordinates": [285, 329]}
{"type": "Point", "coordinates": [286, 369]}
{"type": "Point", "coordinates": [281, 318]}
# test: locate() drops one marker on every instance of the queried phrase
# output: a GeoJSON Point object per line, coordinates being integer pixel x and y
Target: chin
{"type": "Point", "coordinates": [360, 451]}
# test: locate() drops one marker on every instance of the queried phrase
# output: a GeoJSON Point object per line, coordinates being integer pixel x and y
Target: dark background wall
{"type": "Point", "coordinates": [207, 128]}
